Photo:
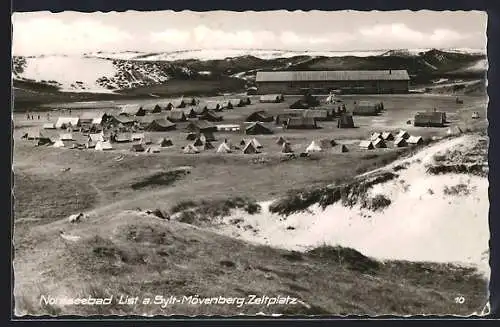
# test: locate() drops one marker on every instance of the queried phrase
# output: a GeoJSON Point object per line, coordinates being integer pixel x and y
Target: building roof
{"type": "Point", "coordinates": [333, 75]}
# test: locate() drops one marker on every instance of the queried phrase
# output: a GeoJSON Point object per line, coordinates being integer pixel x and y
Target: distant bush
{"type": "Point", "coordinates": [350, 258]}
{"type": "Point", "coordinates": [183, 205]}
{"type": "Point", "coordinates": [476, 169]}
{"type": "Point", "coordinates": [377, 203]}
{"type": "Point", "coordinates": [459, 189]}
{"type": "Point", "coordinates": [192, 212]}
{"type": "Point", "coordinates": [349, 193]}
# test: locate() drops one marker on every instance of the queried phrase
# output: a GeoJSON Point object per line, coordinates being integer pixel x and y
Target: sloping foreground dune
{"type": "Point", "coordinates": [429, 217]}
{"type": "Point", "coordinates": [138, 255]}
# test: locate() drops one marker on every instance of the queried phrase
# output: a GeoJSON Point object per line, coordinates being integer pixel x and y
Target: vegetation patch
{"type": "Point", "coordinates": [192, 212]}
{"type": "Point", "coordinates": [160, 179]}
{"type": "Point", "coordinates": [346, 257]}
{"type": "Point", "coordinates": [475, 169]}
{"type": "Point", "coordinates": [459, 189]}
{"type": "Point", "coordinates": [349, 194]}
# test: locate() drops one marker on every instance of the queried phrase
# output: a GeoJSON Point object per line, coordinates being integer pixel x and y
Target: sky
{"type": "Point", "coordinates": [38, 33]}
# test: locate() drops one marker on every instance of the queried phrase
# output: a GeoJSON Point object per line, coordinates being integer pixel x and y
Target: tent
{"type": "Point", "coordinates": [49, 126]}
{"type": "Point", "coordinates": [137, 148]}
{"type": "Point", "coordinates": [272, 98]}
{"type": "Point", "coordinates": [236, 102]}
{"type": "Point", "coordinates": [375, 136]}
{"type": "Point", "coordinates": [400, 142]}
{"type": "Point", "coordinates": [367, 145]}
{"type": "Point", "coordinates": [387, 136]}
{"type": "Point", "coordinates": [163, 142]}
{"type": "Point", "coordinates": [325, 143]}
{"type": "Point", "coordinates": [43, 141]}
{"type": "Point", "coordinates": [403, 134]}
{"type": "Point", "coordinates": [147, 141]}
{"type": "Point", "coordinates": [190, 149]}
{"type": "Point", "coordinates": [198, 142]}
{"type": "Point", "coordinates": [366, 108]}
{"type": "Point", "coordinates": [66, 137]}
{"type": "Point", "coordinates": [191, 136]}
{"type": "Point", "coordinates": [93, 117]}
{"type": "Point", "coordinates": [64, 122]}
{"type": "Point", "coordinates": [160, 125]}
{"type": "Point", "coordinates": [379, 143]}
{"type": "Point", "coordinates": [256, 143]}
{"type": "Point", "coordinates": [260, 116]}
{"type": "Point", "coordinates": [96, 137]}
{"type": "Point", "coordinates": [416, 140]}
{"type": "Point", "coordinates": [343, 148]}
{"type": "Point", "coordinates": [430, 119]}
{"type": "Point", "coordinates": [224, 148]}
{"type": "Point", "coordinates": [250, 148]}
{"type": "Point", "coordinates": [207, 146]}
{"type": "Point", "coordinates": [301, 123]}
{"type": "Point", "coordinates": [207, 137]}
{"type": "Point", "coordinates": [201, 126]}
{"type": "Point", "coordinates": [152, 107]}
{"type": "Point", "coordinates": [286, 148]}
{"type": "Point", "coordinates": [257, 128]}
{"type": "Point", "coordinates": [281, 140]}
{"type": "Point", "coordinates": [178, 103]}
{"type": "Point", "coordinates": [132, 110]}
{"type": "Point", "coordinates": [211, 116]}
{"type": "Point", "coordinates": [153, 149]}
{"type": "Point", "coordinates": [122, 138]}
{"type": "Point", "coordinates": [62, 144]}
{"type": "Point", "coordinates": [103, 146]}
{"type": "Point", "coordinates": [317, 114]}
{"type": "Point", "coordinates": [176, 115]}
{"type": "Point", "coordinates": [212, 105]}
{"type": "Point", "coordinates": [137, 136]}
{"type": "Point", "coordinates": [313, 147]}
{"type": "Point", "coordinates": [345, 121]}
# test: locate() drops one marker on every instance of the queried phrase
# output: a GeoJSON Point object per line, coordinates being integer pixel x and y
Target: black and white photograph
{"type": "Point", "coordinates": [261, 163]}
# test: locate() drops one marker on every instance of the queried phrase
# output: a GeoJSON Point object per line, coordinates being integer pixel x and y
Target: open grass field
{"type": "Point", "coordinates": [177, 257]}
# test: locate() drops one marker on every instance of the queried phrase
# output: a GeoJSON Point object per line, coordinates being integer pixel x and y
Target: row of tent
{"type": "Point", "coordinates": [216, 105]}
{"type": "Point", "coordinates": [379, 140]}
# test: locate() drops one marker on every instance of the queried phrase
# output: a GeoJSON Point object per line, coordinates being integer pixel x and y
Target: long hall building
{"type": "Point", "coordinates": [321, 82]}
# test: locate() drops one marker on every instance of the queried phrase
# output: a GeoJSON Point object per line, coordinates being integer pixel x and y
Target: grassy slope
{"type": "Point", "coordinates": [136, 255]}
{"type": "Point", "coordinates": [97, 181]}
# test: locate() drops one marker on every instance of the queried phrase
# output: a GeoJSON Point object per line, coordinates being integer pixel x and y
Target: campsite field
{"type": "Point", "coordinates": [104, 184]}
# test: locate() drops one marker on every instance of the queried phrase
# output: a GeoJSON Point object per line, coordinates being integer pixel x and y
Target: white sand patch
{"type": "Point", "coordinates": [419, 225]}
{"type": "Point", "coordinates": [68, 70]}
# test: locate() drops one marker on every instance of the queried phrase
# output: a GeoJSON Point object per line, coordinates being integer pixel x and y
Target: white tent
{"type": "Point", "coordinates": [66, 121]}
{"type": "Point", "coordinates": [375, 136]}
{"type": "Point", "coordinates": [137, 136]}
{"type": "Point", "coordinates": [366, 145]}
{"type": "Point", "coordinates": [49, 126]}
{"type": "Point", "coordinates": [403, 134]}
{"type": "Point", "coordinates": [59, 144]}
{"type": "Point", "coordinates": [103, 146]}
{"type": "Point", "coordinates": [313, 147]}
{"type": "Point", "coordinates": [190, 149]}
{"type": "Point", "coordinates": [415, 140]}
{"type": "Point", "coordinates": [96, 137]}
{"type": "Point", "coordinates": [66, 137]}
{"type": "Point", "coordinates": [224, 148]}
{"type": "Point", "coordinates": [256, 143]}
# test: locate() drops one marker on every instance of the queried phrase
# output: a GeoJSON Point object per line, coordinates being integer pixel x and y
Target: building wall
{"type": "Point", "coordinates": [323, 87]}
